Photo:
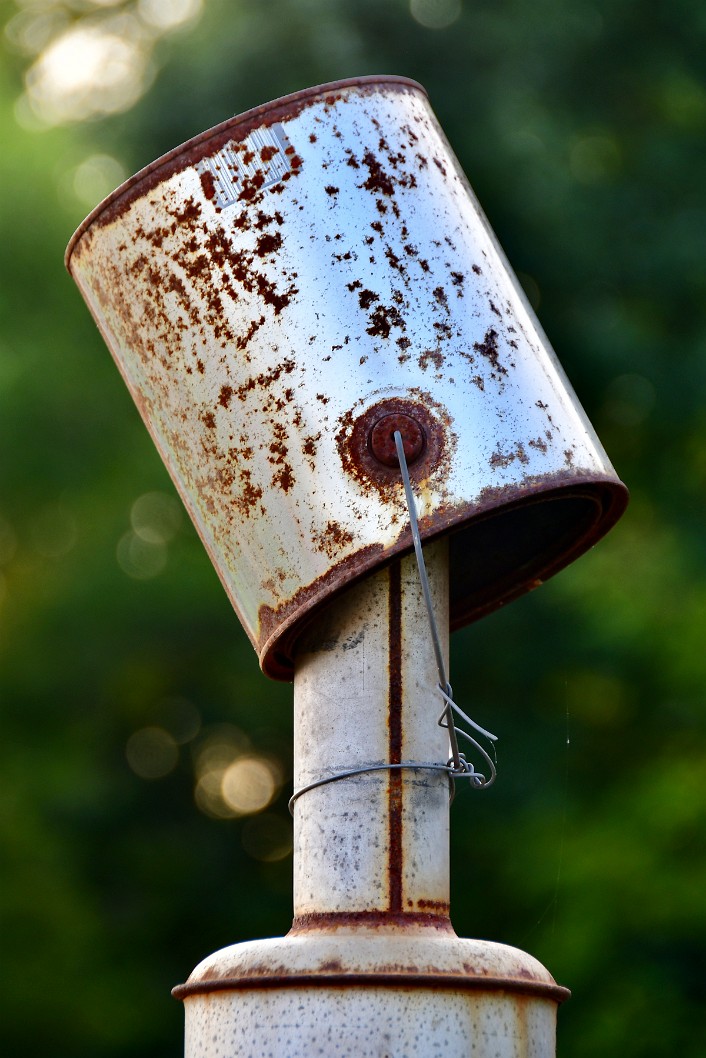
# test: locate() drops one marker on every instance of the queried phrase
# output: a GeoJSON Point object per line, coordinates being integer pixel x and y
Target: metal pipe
{"type": "Point", "coordinates": [365, 693]}
{"type": "Point", "coordinates": [284, 294]}
{"type": "Point", "coordinates": [372, 965]}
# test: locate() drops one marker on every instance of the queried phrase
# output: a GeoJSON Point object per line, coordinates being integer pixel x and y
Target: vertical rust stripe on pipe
{"type": "Point", "coordinates": [394, 720]}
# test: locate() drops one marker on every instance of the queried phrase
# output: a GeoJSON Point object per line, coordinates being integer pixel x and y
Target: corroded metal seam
{"type": "Point", "coordinates": [327, 920]}
{"type": "Point", "coordinates": [426, 982]}
{"type": "Point", "coordinates": [395, 854]}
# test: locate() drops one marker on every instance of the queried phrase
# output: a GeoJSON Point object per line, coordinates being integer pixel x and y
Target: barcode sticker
{"type": "Point", "coordinates": [264, 155]}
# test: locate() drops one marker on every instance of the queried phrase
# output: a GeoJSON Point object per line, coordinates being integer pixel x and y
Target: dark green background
{"type": "Point", "coordinates": [582, 128]}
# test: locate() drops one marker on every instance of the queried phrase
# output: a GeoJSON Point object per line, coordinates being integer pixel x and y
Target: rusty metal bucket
{"type": "Point", "coordinates": [284, 290]}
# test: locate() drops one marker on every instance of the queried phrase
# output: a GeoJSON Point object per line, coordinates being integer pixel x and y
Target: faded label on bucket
{"type": "Point", "coordinates": [260, 160]}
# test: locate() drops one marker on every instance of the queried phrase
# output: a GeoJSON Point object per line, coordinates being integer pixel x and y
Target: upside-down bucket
{"type": "Point", "coordinates": [281, 293]}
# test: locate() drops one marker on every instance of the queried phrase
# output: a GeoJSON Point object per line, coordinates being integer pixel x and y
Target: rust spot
{"type": "Point", "coordinates": [264, 380]}
{"type": "Point", "coordinates": [268, 244]}
{"type": "Point", "coordinates": [309, 445]}
{"type": "Point", "coordinates": [283, 478]}
{"type": "Point", "coordinates": [540, 444]}
{"type": "Point", "coordinates": [224, 397]}
{"type": "Point", "coordinates": [331, 190]}
{"type": "Point", "coordinates": [500, 459]}
{"type": "Point", "coordinates": [381, 920]}
{"type": "Point", "coordinates": [440, 906]}
{"type": "Point", "coordinates": [249, 496]}
{"type": "Point", "coordinates": [332, 539]}
{"type": "Point", "coordinates": [395, 261]}
{"type": "Point", "coordinates": [383, 319]}
{"type": "Point", "coordinates": [190, 212]}
{"type": "Point", "coordinates": [489, 349]}
{"type": "Point", "coordinates": [431, 354]}
{"type": "Point", "coordinates": [378, 180]}
{"type": "Point", "coordinates": [208, 185]}
{"type": "Point", "coordinates": [476, 268]}
{"type": "Point", "coordinates": [382, 441]}
{"type": "Point", "coordinates": [353, 442]}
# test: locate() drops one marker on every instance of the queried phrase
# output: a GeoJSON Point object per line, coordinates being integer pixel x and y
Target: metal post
{"type": "Point", "coordinates": [284, 294]}
{"type": "Point", "coordinates": [372, 847]}
{"type": "Point", "coordinates": [371, 965]}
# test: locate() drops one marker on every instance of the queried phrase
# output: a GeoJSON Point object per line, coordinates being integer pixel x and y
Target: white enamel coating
{"type": "Point", "coordinates": [272, 282]}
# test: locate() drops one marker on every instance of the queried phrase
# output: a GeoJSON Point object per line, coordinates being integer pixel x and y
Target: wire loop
{"type": "Point", "coordinates": [457, 767]}
{"type": "Point", "coordinates": [457, 763]}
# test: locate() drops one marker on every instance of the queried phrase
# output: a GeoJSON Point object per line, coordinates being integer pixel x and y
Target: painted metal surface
{"type": "Point", "coordinates": [274, 288]}
{"type": "Point", "coordinates": [377, 842]}
{"type": "Point", "coordinates": [372, 965]}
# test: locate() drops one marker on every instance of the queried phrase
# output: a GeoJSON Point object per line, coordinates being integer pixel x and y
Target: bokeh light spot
{"type": "Point", "coordinates": [169, 14]}
{"type": "Point", "coordinates": [151, 752]}
{"type": "Point", "coordinates": [248, 785]}
{"type": "Point", "coordinates": [96, 177]}
{"type": "Point", "coordinates": [91, 69]}
{"type": "Point", "coordinates": [435, 14]}
{"type": "Point", "coordinates": [156, 517]}
{"type": "Point", "coordinates": [140, 559]}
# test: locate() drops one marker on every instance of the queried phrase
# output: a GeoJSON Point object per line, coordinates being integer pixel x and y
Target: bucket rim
{"type": "Point", "coordinates": [193, 149]}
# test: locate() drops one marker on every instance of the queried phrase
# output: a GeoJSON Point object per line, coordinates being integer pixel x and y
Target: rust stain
{"type": "Point", "coordinates": [208, 185]}
{"type": "Point", "coordinates": [395, 853]}
{"type": "Point", "coordinates": [489, 349]}
{"type": "Point", "coordinates": [500, 460]}
{"type": "Point", "coordinates": [377, 920]}
{"type": "Point", "coordinates": [353, 443]}
{"type": "Point", "coordinates": [398, 980]}
{"type": "Point", "coordinates": [441, 907]}
{"type": "Point", "coordinates": [433, 355]}
{"type": "Point", "coordinates": [383, 319]}
{"type": "Point", "coordinates": [332, 539]}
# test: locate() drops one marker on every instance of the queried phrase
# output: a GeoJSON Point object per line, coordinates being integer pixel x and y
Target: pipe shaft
{"type": "Point", "coordinates": [365, 693]}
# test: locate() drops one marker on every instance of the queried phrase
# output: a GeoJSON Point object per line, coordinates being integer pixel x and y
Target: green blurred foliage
{"type": "Point", "coordinates": [582, 128]}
